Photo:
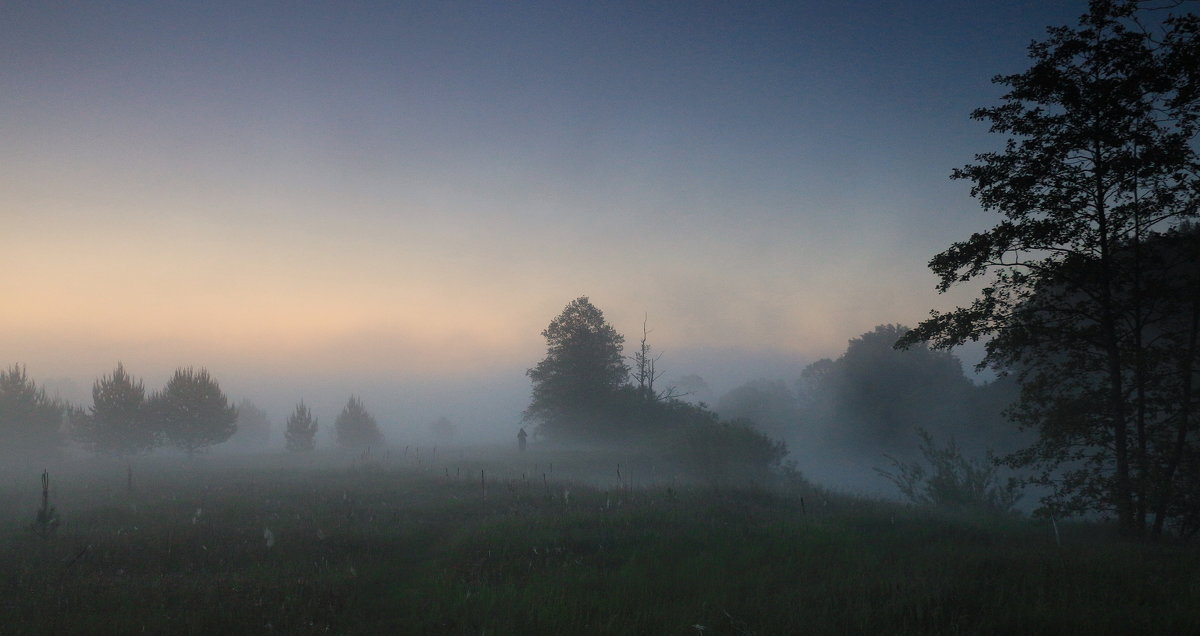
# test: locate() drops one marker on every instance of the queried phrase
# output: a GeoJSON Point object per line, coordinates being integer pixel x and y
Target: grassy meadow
{"type": "Point", "coordinates": [545, 544]}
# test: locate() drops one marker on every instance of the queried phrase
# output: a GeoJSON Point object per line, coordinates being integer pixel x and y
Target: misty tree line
{"type": "Point", "coordinates": [1089, 311]}
{"type": "Point", "coordinates": [190, 414]}
{"type": "Point", "coordinates": [872, 401]}
{"type": "Point", "coordinates": [1091, 297]}
{"type": "Point", "coordinates": [584, 391]}
{"type": "Point", "coordinates": [876, 397]}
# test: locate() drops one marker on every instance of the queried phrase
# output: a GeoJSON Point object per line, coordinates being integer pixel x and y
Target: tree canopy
{"type": "Point", "coordinates": [875, 397]}
{"type": "Point", "coordinates": [357, 428]}
{"type": "Point", "coordinates": [30, 421]}
{"type": "Point", "coordinates": [1099, 164]}
{"type": "Point", "coordinates": [193, 412]}
{"type": "Point", "coordinates": [574, 386]}
{"type": "Point", "coordinates": [301, 430]}
{"type": "Point", "coordinates": [118, 422]}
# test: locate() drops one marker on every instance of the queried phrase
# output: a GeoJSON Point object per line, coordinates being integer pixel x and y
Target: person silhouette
{"type": "Point", "coordinates": [521, 435]}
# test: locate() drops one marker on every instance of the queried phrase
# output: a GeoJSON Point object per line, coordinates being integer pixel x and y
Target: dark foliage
{"type": "Point", "coordinates": [728, 452]}
{"type": "Point", "coordinates": [192, 411]}
{"type": "Point", "coordinates": [1099, 163]}
{"type": "Point", "coordinates": [30, 422]}
{"type": "Point", "coordinates": [301, 430]}
{"type": "Point", "coordinates": [119, 422]}
{"type": "Point", "coordinates": [356, 428]}
{"type": "Point", "coordinates": [574, 386]}
{"type": "Point", "coordinates": [947, 479]}
{"type": "Point", "coordinates": [875, 397]}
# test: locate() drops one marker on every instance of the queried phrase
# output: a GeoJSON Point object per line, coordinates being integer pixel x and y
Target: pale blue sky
{"type": "Point", "coordinates": [403, 189]}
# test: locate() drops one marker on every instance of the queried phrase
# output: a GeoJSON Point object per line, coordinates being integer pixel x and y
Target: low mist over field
{"type": "Point", "coordinates": [622, 317]}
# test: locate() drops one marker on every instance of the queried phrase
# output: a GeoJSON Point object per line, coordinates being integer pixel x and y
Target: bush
{"type": "Point", "coordinates": [952, 481]}
{"type": "Point", "coordinates": [726, 452]}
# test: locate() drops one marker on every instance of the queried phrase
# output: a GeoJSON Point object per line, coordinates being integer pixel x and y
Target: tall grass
{"type": "Point", "coordinates": [399, 548]}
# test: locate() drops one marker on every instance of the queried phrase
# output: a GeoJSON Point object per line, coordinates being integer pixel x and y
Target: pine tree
{"type": "Point", "coordinates": [118, 422]}
{"type": "Point", "coordinates": [356, 428]}
{"type": "Point", "coordinates": [301, 431]}
{"type": "Point", "coordinates": [192, 411]}
{"type": "Point", "coordinates": [30, 422]}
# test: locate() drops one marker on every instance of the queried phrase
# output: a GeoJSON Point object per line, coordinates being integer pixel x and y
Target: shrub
{"type": "Point", "coordinates": [952, 481]}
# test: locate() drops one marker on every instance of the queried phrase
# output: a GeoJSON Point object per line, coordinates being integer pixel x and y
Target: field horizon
{"type": "Point", "coordinates": [464, 542]}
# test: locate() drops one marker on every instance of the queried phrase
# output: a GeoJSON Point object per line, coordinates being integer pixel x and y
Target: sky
{"type": "Point", "coordinates": [394, 198]}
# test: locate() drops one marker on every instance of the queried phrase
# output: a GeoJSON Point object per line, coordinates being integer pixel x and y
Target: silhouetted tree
{"type": "Point", "coordinates": [301, 430]}
{"type": "Point", "coordinates": [1100, 160]}
{"type": "Point", "coordinates": [644, 369]}
{"type": "Point", "coordinates": [356, 428]}
{"type": "Point", "coordinates": [30, 422]}
{"type": "Point", "coordinates": [118, 423]}
{"type": "Point", "coordinates": [192, 411]}
{"type": "Point", "coordinates": [575, 386]}
{"type": "Point", "coordinates": [1064, 392]}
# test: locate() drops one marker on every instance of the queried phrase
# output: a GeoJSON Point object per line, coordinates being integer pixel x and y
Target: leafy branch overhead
{"type": "Point", "coordinates": [1092, 272]}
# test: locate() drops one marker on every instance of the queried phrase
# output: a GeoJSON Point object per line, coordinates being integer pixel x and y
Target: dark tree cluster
{"type": "Point", "coordinates": [119, 423]}
{"type": "Point", "coordinates": [190, 413]}
{"type": "Point", "coordinates": [30, 421]}
{"type": "Point", "coordinates": [875, 398]}
{"type": "Point", "coordinates": [301, 430]}
{"type": "Point", "coordinates": [356, 428]}
{"type": "Point", "coordinates": [1093, 290]}
{"type": "Point", "coordinates": [582, 391]}
{"type": "Point", "coordinates": [576, 386]}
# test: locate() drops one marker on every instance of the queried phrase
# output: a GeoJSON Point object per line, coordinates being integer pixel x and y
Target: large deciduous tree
{"type": "Point", "coordinates": [1099, 167]}
{"type": "Point", "coordinates": [575, 386]}
{"type": "Point", "coordinates": [192, 411]}
{"type": "Point", "coordinates": [118, 422]}
{"type": "Point", "coordinates": [874, 398]}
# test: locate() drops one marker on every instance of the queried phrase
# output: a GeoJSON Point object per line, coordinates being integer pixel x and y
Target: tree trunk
{"type": "Point", "coordinates": [1187, 370]}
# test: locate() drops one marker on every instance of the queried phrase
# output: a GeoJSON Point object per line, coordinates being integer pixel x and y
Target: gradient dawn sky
{"type": "Point", "coordinates": [411, 190]}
